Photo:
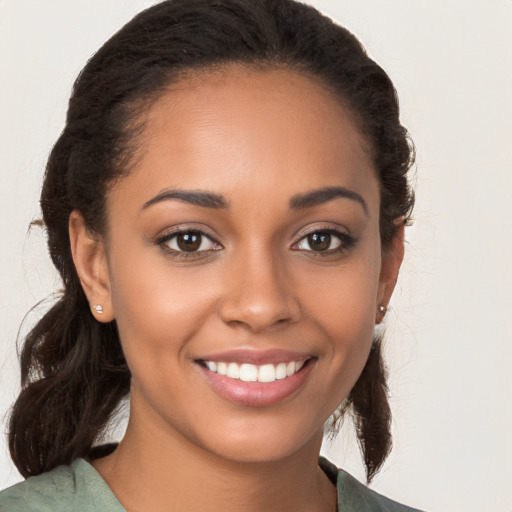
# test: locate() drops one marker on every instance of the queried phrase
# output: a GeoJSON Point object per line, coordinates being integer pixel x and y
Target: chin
{"type": "Point", "coordinates": [262, 441]}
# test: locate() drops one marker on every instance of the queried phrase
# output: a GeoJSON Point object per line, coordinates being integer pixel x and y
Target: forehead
{"type": "Point", "coordinates": [263, 130]}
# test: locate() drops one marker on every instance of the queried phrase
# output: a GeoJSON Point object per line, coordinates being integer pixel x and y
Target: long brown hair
{"type": "Point", "coordinates": [73, 371]}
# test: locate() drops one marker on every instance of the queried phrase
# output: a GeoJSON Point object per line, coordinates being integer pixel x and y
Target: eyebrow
{"type": "Point", "coordinates": [323, 195]}
{"type": "Point", "coordinates": [297, 202]}
{"type": "Point", "coordinates": [195, 197]}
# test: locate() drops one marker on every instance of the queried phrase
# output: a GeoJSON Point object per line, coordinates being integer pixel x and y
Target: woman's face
{"type": "Point", "coordinates": [244, 262]}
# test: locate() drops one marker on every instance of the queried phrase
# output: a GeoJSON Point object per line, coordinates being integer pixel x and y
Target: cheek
{"type": "Point", "coordinates": [342, 305]}
{"type": "Point", "coordinates": [158, 308]}
{"type": "Point", "coordinates": [343, 299]}
{"type": "Point", "coordinates": [159, 314]}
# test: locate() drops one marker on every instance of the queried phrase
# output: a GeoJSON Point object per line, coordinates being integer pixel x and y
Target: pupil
{"type": "Point", "coordinates": [319, 241]}
{"type": "Point", "coordinates": [189, 241]}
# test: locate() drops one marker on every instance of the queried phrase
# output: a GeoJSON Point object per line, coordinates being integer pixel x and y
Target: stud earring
{"type": "Point", "coordinates": [98, 308]}
{"type": "Point", "coordinates": [383, 309]}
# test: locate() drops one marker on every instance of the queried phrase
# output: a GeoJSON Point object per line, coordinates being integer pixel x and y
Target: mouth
{"type": "Point", "coordinates": [247, 372]}
{"type": "Point", "coordinates": [257, 383]}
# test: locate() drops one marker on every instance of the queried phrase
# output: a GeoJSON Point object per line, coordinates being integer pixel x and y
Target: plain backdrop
{"type": "Point", "coordinates": [449, 334]}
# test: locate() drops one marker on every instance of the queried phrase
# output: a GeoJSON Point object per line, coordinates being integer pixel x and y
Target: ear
{"type": "Point", "coordinates": [91, 265]}
{"type": "Point", "coordinates": [392, 257]}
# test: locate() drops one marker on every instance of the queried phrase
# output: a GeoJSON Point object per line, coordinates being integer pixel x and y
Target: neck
{"type": "Point", "coordinates": [171, 472]}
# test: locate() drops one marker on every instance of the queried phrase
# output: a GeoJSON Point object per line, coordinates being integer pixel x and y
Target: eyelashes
{"type": "Point", "coordinates": [184, 243]}
{"type": "Point", "coordinates": [325, 242]}
{"type": "Point", "coordinates": [188, 243]}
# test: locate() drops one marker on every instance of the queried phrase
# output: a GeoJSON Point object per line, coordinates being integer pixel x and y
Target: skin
{"type": "Point", "coordinates": [260, 139]}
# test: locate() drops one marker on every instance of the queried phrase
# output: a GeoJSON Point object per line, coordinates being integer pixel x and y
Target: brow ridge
{"type": "Point", "coordinates": [195, 197]}
{"type": "Point", "coordinates": [323, 195]}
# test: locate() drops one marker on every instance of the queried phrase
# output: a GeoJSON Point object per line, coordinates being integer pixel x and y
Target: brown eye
{"type": "Point", "coordinates": [188, 242]}
{"type": "Point", "coordinates": [320, 241]}
{"type": "Point", "coordinates": [324, 241]}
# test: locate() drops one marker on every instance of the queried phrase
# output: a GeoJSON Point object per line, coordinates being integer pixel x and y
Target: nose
{"type": "Point", "coordinates": [258, 295]}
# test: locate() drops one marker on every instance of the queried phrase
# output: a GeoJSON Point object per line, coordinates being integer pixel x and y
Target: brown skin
{"type": "Point", "coordinates": [259, 138]}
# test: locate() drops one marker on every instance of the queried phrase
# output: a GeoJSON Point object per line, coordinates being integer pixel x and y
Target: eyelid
{"type": "Point", "coordinates": [170, 233]}
{"type": "Point", "coordinates": [185, 228]}
{"type": "Point", "coordinates": [342, 233]}
{"type": "Point", "coordinates": [347, 241]}
{"type": "Point", "coordinates": [325, 227]}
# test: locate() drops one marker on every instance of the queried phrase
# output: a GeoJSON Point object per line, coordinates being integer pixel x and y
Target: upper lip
{"type": "Point", "coordinates": [256, 357]}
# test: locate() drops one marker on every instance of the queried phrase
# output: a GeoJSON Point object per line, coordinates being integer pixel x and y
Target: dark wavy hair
{"type": "Point", "coordinates": [73, 371]}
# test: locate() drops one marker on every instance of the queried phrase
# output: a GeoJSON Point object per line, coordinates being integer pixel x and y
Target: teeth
{"type": "Point", "coordinates": [252, 373]}
{"type": "Point", "coordinates": [233, 371]}
{"type": "Point", "coordinates": [212, 366]}
{"type": "Point", "coordinates": [222, 368]}
{"type": "Point", "coordinates": [267, 373]}
{"type": "Point", "coordinates": [248, 372]}
{"type": "Point", "coordinates": [281, 371]}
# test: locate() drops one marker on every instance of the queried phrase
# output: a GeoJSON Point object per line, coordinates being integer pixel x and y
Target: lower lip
{"type": "Point", "coordinates": [256, 394]}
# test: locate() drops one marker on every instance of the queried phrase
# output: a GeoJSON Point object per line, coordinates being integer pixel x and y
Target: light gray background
{"type": "Point", "coordinates": [449, 333]}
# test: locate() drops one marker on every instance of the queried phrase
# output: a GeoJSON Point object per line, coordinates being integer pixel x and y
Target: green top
{"type": "Point", "coordinates": [79, 487]}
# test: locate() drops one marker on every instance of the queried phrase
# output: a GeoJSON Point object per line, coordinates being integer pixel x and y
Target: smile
{"type": "Point", "coordinates": [256, 379]}
{"type": "Point", "coordinates": [247, 372]}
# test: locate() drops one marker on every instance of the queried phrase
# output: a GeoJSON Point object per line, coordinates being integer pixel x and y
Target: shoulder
{"type": "Point", "coordinates": [353, 496]}
{"type": "Point", "coordinates": [50, 491]}
{"type": "Point", "coordinates": [64, 489]}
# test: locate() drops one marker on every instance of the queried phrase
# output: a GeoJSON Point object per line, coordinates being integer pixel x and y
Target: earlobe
{"type": "Point", "coordinates": [392, 258]}
{"type": "Point", "coordinates": [90, 261]}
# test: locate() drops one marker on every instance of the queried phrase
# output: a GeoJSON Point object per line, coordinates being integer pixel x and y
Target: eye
{"type": "Point", "coordinates": [325, 241]}
{"type": "Point", "coordinates": [190, 241]}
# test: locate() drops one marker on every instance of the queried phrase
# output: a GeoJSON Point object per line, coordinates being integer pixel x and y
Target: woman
{"type": "Point", "coordinates": [226, 207]}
